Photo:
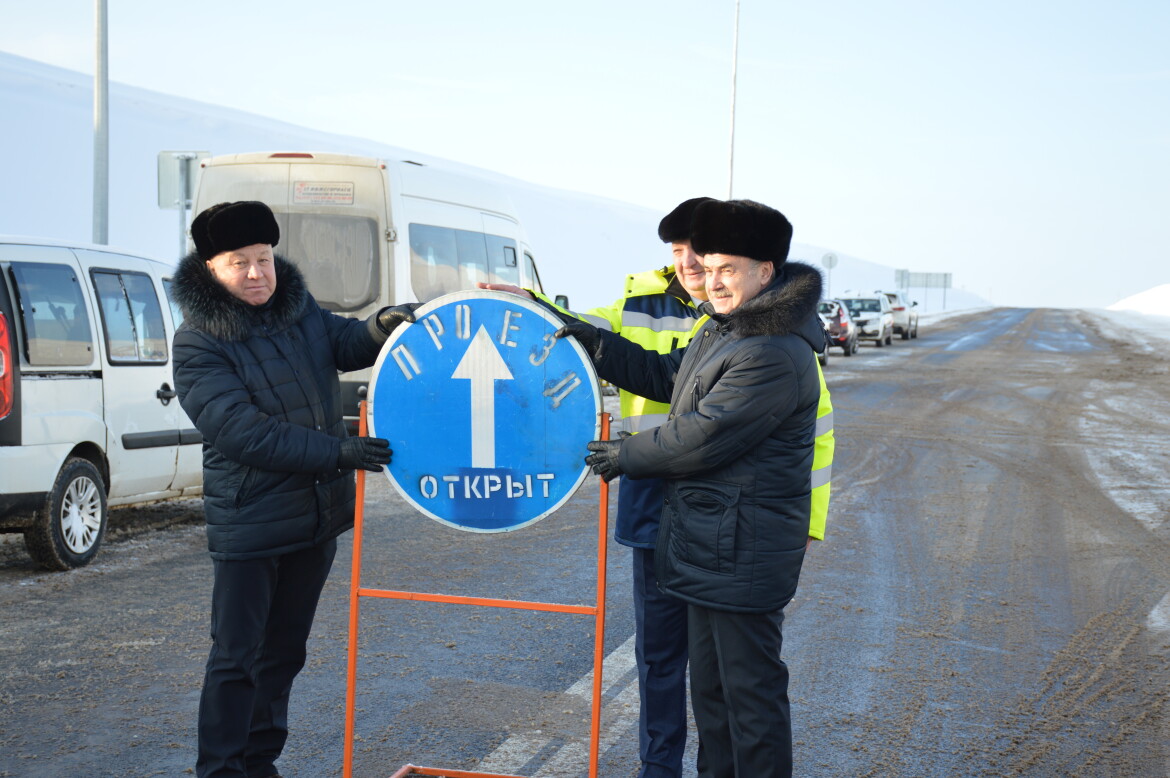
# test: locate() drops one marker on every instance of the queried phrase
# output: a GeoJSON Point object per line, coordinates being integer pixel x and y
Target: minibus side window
{"type": "Point", "coordinates": [53, 312]}
{"type": "Point", "coordinates": [444, 260]}
{"type": "Point", "coordinates": [473, 258]}
{"type": "Point", "coordinates": [502, 256]}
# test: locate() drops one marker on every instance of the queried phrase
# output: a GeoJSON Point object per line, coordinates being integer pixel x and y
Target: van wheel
{"type": "Point", "coordinates": [67, 530]}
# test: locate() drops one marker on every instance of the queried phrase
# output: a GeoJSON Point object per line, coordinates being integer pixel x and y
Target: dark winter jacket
{"type": "Point", "coordinates": [737, 448]}
{"type": "Point", "coordinates": [260, 383]}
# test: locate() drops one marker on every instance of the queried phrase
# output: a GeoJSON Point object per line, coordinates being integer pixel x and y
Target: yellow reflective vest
{"type": "Point", "coordinates": [822, 469]}
{"type": "Point", "coordinates": [658, 314]}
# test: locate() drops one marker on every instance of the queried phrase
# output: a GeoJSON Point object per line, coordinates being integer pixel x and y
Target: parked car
{"type": "Point", "coordinates": [88, 417]}
{"type": "Point", "coordinates": [839, 326]}
{"type": "Point", "coordinates": [905, 317]}
{"type": "Point", "coordinates": [873, 316]}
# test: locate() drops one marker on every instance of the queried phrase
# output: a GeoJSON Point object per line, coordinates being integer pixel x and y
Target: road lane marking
{"type": "Point", "coordinates": [1159, 618]}
{"type": "Point", "coordinates": [619, 715]}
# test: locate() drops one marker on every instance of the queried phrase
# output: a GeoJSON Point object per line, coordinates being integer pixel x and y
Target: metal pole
{"type": "Point", "coordinates": [101, 130]}
{"type": "Point", "coordinates": [184, 163]}
{"type": "Point", "coordinates": [734, 63]}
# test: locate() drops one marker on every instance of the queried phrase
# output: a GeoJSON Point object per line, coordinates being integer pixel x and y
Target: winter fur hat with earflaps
{"type": "Point", "coordinates": [741, 228]}
{"type": "Point", "coordinates": [230, 226]}
{"type": "Point", "coordinates": [675, 226]}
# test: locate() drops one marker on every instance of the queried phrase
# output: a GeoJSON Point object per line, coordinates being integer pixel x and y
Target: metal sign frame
{"type": "Point", "coordinates": [357, 591]}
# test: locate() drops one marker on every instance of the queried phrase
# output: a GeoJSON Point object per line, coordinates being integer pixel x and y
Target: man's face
{"type": "Point", "coordinates": [688, 268]}
{"type": "Point", "coordinates": [732, 280]}
{"type": "Point", "coordinates": [249, 273]}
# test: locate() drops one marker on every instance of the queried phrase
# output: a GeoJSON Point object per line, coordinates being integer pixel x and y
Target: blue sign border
{"type": "Point", "coordinates": [415, 349]}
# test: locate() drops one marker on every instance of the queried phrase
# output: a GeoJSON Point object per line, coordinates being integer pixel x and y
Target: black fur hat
{"type": "Point", "coordinates": [742, 228]}
{"type": "Point", "coordinates": [229, 226]}
{"type": "Point", "coordinates": [675, 226]}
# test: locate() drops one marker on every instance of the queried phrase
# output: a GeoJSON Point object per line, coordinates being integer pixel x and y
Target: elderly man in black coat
{"type": "Point", "coordinates": [256, 363]}
{"type": "Point", "coordinates": [736, 457]}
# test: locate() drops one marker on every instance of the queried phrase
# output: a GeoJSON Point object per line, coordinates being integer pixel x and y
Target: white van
{"type": "Point", "coordinates": [369, 232]}
{"type": "Point", "coordinates": [88, 415]}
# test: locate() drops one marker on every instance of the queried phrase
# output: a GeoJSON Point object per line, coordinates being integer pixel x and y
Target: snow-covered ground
{"type": "Point", "coordinates": [1143, 318]}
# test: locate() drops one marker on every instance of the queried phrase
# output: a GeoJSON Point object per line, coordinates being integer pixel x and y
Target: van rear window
{"type": "Point", "coordinates": [337, 254]}
{"type": "Point", "coordinates": [863, 305]}
{"type": "Point", "coordinates": [53, 312]}
{"type": "Point", "coordinates": [444, 260]}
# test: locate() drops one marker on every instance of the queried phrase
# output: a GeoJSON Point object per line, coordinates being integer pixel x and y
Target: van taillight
{"type": "Point", "coordinates": [7, 380]}
{"type": "Point", "coordinates": [899, 307]}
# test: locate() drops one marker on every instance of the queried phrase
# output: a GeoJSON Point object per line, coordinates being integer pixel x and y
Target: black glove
{"type": "Point", "coordinates": [605, 459]}
{"type": "Point", "coordinates": [389, 318]}
{"type": "Point", "coordinates": [567, 318]}
{"type": "Point", "coordinates": [366, 453]}
{"type": "Point", "coordinates": [586, 334]}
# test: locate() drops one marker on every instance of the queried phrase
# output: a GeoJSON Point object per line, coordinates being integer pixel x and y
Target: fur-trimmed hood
{"type": "Point", "coordinates": [788, 304]}
{"type": "Point", "coordinates": [208, 306]}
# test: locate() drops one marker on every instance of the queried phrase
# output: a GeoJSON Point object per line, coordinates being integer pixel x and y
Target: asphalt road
{"type": "Point", "coordinates": [993, 598]}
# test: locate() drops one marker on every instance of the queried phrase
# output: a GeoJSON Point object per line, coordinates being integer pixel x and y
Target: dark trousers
{"type": "Point", "coordinates": [261, 614]}
{"type": "Point", "coordinates": [739, 691]}
{"type": "Point", "coordinates": [660, 647]}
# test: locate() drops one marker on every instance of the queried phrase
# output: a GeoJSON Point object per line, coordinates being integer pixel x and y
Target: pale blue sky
{"type": "Point", "coordinates": [1023, 147]}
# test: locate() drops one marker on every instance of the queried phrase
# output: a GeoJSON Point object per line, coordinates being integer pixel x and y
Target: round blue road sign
{"type": "Point", "coordinates": [486, 411]}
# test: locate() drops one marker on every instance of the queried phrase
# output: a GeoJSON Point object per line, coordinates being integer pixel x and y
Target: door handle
{"type": "Point", "coordinates": [165, 393]}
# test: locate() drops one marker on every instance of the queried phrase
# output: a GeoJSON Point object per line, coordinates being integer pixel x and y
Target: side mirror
{"type": "Point", "coordinates": [562, 301]}
{"type": "Point", "coordinates": [914, 304]}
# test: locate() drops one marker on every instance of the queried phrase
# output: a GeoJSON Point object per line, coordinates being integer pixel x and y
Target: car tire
{"type": "Point", "coordinates": [890, 338]}
{"type": "Point", "coordinates": [67, 530]}
{"type": "Point", "coordinates": [879, 342]}
{"type": "Point", "coordinates": [823, 357]}
{"type": "Point", "coordinates": [850, 348]}
{"type": "Point", "coordinates": [906, 333]}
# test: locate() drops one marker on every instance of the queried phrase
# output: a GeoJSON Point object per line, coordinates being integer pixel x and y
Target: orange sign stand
{"type": "Point", "coordinates": [357, 591]}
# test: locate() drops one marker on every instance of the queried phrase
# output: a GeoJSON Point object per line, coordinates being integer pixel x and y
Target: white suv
{"type": "Point", "coordinates": [873, 317]}
{"type": "Point", "coordinates": [88, 415]}
{"type": "Point", "coordinates": [905, 317]}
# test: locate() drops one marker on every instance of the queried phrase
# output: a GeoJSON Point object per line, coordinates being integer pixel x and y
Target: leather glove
{"type": "Point", "coordinates": [366, 453]}
{"type": "Point", "coordinates": [585, 333]}
{"type": "Point", "coordinates": [389, 318]}
{"type": "Point", "coordinates": [604, 460]}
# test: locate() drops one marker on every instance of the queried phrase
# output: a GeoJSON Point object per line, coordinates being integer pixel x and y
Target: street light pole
{"type": "Point", "coordinates": [101, 129]}
{"type": "Point", "coordinates": [734, 63]}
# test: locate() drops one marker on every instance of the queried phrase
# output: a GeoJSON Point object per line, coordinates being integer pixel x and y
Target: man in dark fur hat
{"type": "Point", "coordinates": [256, 362]}
{"type": "Point", "coordinates": [736, 457]}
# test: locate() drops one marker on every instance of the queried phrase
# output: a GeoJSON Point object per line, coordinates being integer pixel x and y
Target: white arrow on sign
{"type": "Point", "coordinates": [483, 366]}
